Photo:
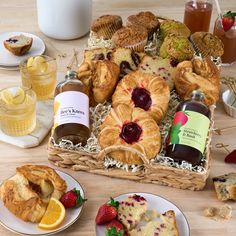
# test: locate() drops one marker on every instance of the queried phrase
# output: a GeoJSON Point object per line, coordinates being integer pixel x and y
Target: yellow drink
{"type": "Point", "coordinates": [17, 111]}
{"type": "Point", "coordinates": [39, 73]}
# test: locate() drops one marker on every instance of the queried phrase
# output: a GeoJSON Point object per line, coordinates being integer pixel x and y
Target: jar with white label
{"type": "Point", "coordinates": [188, 135]}
{"type": "Point", "coordinates": [71, 111]}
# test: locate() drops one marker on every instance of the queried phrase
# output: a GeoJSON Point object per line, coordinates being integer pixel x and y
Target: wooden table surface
{"type": "Point", "coordinates": [21, 16]}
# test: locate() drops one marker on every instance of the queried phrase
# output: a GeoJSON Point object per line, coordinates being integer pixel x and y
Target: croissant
{"type": "Point", "coordinates": [200, 74]}
{"type": "Point", "coordinates": [28, 192]}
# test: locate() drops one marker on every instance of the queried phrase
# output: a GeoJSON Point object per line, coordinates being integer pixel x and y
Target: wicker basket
{"type": "Point", "coordinates": [152, 172]}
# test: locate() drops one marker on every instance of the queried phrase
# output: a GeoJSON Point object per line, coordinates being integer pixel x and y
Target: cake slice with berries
{"type": "Point", "coordinates": [165, 68]}
{"type": "Point", "coordinates": [165, 227]}
{"type": "Point", "coordinates": [131, 210]}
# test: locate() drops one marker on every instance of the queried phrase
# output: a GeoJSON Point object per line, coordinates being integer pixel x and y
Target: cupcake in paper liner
{"type": "Point", "coordinates": [172, 27]}
{"type": "Point", "coordinates": [207, 44]}
{"type": "Point", "coordinates": [146, 19]}
{"type": "Point", "coordinates": [105, 26]}
{"type": "Point", "coordinates": [133, 37]}
{"type": "Point", "coordinates": [176, 47]}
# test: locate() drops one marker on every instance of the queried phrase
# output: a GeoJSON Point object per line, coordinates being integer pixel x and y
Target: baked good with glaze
{"type": "Point", "coordinates": [225, 186]}
{"type": "Point", "coordinates": [146, 19]}
{"type": "Point", "coordinates": [105, 26]}
{"type": "Point", "coordinates": [28, 192]}
{"type": "Point", "coordinates": [198, 74]}
{"type": "Point", "coordinates": [133, 37]}
{"type": "Point", "coordinates": [173, 27]}
{"type": "Point", "coordinates": [146, 91]}
{"type": "Point", "coordinates": [100, 78]}
{"type": "Point", "coordinates": [207, 44]}
{"type": "Point", "coordinates": [163, 67]}
{"type": "Point", "coordinates": [131, 210]}
{"type": "Point", "coordinates": [166, 227]}
{"type": "Point", "coordinates": [176, 47]}
{"type": "Point", "coordinates": [126, 59]}
{"type": "Point", "coordinates": [97, 54]}
{"type": "Point", "coordinates": [131, 128]}
{"type": "Point", "coordinates": [18, 45]}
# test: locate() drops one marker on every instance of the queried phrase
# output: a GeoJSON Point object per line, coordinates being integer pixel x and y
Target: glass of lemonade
{"type": "Point", "coordinates": [39, 73]}
{"type": "Point", "coordinates": [17, 111]}
{"type": "Point", "coordinates": [197, 15]}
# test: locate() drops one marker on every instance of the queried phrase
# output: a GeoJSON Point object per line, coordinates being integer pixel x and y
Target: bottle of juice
{"type": "Point", "coordinates": [71, 111]}
{"type": "Point", "coordinates": [188, 134]}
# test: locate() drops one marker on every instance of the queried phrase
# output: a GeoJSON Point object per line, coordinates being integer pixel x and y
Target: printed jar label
{"type": "Point", "coordinates": [190, 128]}
{"type": "Point", "coordinates": [71, 107]}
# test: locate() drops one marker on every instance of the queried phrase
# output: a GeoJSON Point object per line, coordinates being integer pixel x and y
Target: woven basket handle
{"type": "Point", "coordinates": [101, 155]}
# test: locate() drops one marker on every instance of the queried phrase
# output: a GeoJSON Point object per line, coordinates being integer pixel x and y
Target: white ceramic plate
{"type": "Point", "coordinates": [8, 59]}
{"type": "Point", "coordinates": [16, 225]}
{"type": "Point", "coordinates": [161, 205]}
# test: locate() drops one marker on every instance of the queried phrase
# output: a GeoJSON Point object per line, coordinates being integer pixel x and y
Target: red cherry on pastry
{"type": "Point", "coordinates": [141, 98]}
{"type": "Point", "coordinates": [131, 132]}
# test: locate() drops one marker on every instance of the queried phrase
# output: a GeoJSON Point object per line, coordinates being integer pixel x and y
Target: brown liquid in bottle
{"type": "Point", "coordinates": [72, 106]}
{"type": "Point", "coordinates": [182, 152]}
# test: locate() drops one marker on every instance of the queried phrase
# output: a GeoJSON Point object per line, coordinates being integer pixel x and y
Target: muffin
{"type": "Point", "coordinates": [133, 36]}
{"type": "Point", "coordinates": [207, 44]}
{"type": "Point", "coordinates": [18, 45]}
{"type": "Point", "coordinates": [105, 26]}
{"type": "Point", "coordinates": [176, 47]}
{"type": "Point", "coordinates": [146, 19]}
{"type": "Point", "coordinates": [173, 27]}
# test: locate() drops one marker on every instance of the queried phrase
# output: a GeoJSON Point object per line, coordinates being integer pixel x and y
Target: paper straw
{"type": "Point", "coordinates": [218, 8]}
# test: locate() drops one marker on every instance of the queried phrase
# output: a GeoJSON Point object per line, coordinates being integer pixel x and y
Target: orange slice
{"type": "Point", "coordinates": [53, 216]}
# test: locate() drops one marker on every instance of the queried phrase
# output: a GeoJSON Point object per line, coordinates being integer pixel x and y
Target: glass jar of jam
{"type": "Point", "coordinates": [189, 130]}
{"type": "Point", "coordinates": [71, 111]}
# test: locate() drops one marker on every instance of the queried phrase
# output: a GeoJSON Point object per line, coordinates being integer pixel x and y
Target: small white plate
{"type": "Point", "coordinates": [161, 205]}
{"type": "Point", "coordinates": [8, 59]}
{"type": "Point", "coordinates": [16, 225]}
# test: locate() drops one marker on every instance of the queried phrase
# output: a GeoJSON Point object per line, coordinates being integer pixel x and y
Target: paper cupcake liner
{"type": "Point", "coordinates": [107, 30]}
{"type": "Point", "coordinates": [138, 47]}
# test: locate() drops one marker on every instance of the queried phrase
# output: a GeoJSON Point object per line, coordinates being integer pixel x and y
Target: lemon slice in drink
{"type": "Point", "coordinates": [13, 96]}
{"type": "Point", "coordinates": [37, 64]}
{"type": "Point", "coordinates": [53, 216]}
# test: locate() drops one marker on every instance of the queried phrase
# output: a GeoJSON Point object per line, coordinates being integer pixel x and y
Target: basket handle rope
{"type": "Point", "coordinates": [101, 155]}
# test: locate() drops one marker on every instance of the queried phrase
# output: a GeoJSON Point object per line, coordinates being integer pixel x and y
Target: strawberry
{"type": "Point", "coordinates": [114, 232]}
{"type": "Point", "coordinates": [231, 157]}
{"type": "Point", "coordinates": [72, 198]}
{"type": "Point", "coordinates": [107, 212]}
{"type": "Point", "coordinates": [228, 20]}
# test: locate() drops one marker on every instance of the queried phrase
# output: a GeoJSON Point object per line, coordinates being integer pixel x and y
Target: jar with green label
{"type": "Point", "coordinates": [189, 130]}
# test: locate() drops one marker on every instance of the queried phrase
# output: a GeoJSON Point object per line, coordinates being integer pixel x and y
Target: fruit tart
{"type": "Point", "coordinates": [131, 128]}
{"type": "Point", "coordinates": [146, 91]}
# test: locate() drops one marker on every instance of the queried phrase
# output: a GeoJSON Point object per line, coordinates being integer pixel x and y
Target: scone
{"type": "Point", "coordinates": [133, 131]}
{"type": "Point", "coordinates": [97, 54]}
{"type": "Point", "coordinates": [172, 27]}
{"type": "Point", "coordinates": [126, 59]}
{"type": "Point", "coordinates": [165, 68]}
{"type": "Point", "coordinates": [207, 44]}
{"type": "Point", "coordinates": [143, 90]}
{"type": "Point", "coordinates": [176, 47]}
{"type": "Point", "coordinates": [131, 210]}
{"type": "Point", "coordinates": [225, 186]}
{"type": "Point", "coordinates": [146, 19]}
{"type": "Point", "coordinates": [198, 74]}
{"type": "Point", "coordinates": [27, 193]}
{"type": "Point", "coordinates": [105, 26]}
{"type": "Point", "coordinates": [166, 227]}
{"type": "Point", "coordinates": [18, 45]}
{"type": "Point", "coordinates": [133, 36]}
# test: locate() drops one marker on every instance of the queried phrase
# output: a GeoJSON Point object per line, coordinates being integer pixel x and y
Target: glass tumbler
{"type": "Point", "coordinates": [197, 15]}
{"type": "Point", "coordinates": [39, 73]}
{"type": "Point", "coordinates": [229, 40]}
{"type": "Point", "coordinates": [17, 111]}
